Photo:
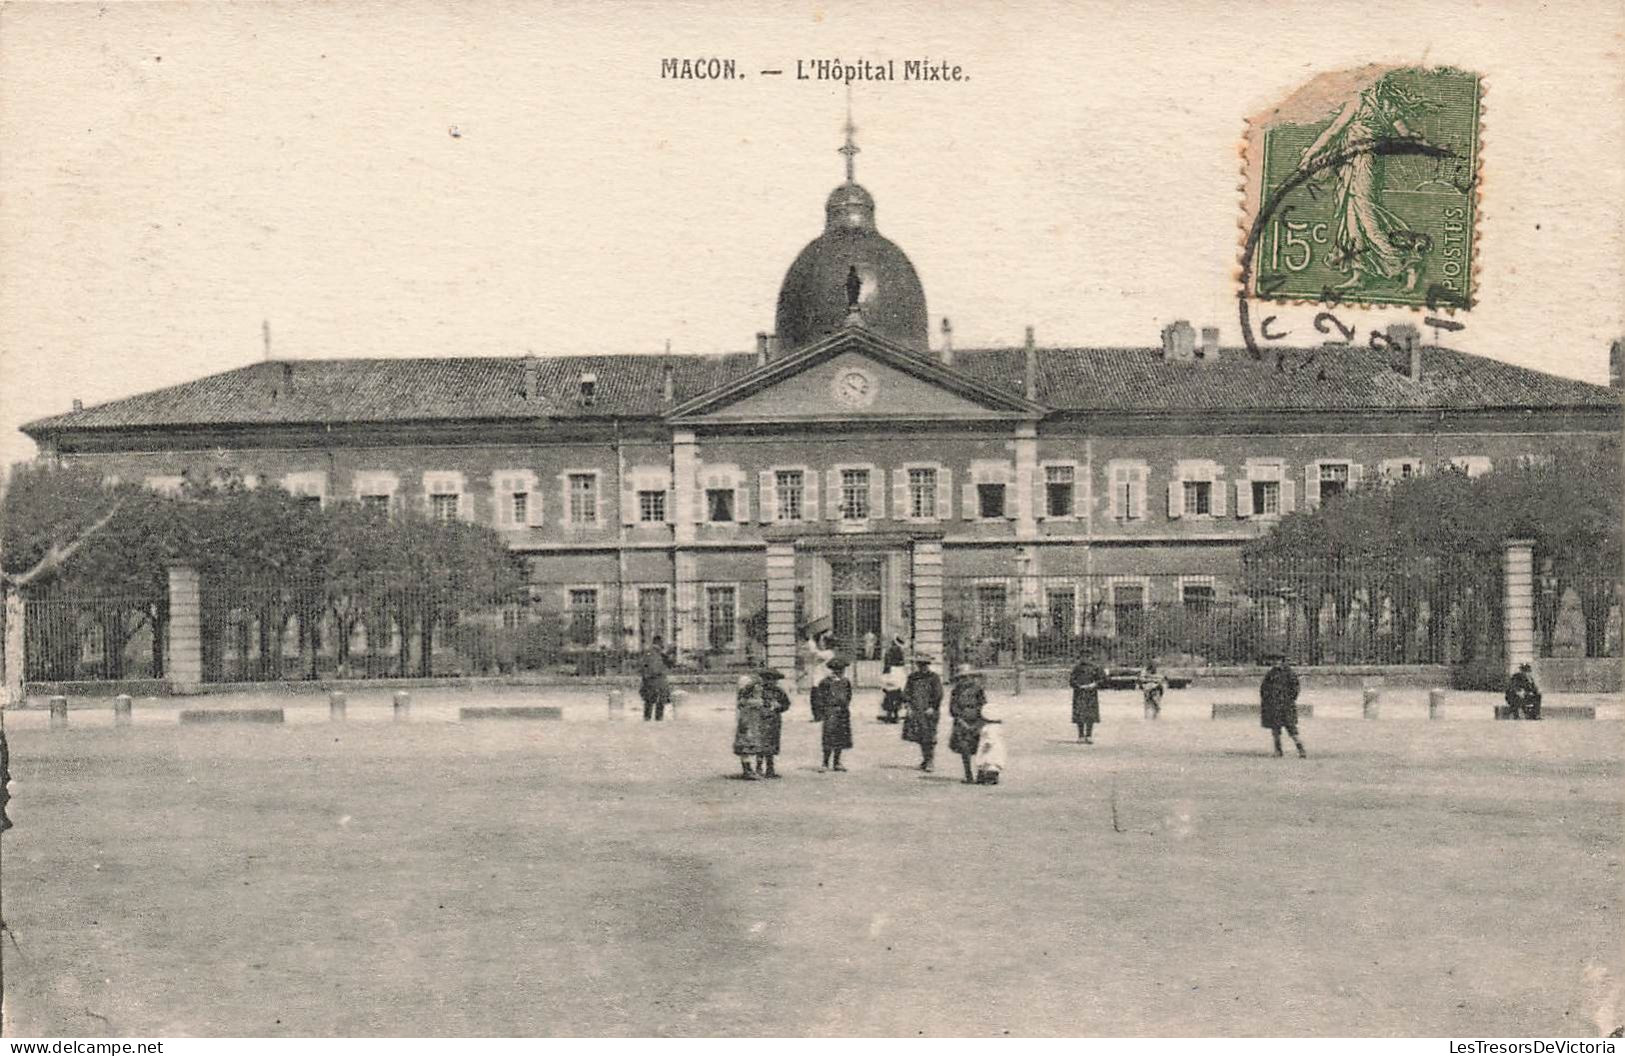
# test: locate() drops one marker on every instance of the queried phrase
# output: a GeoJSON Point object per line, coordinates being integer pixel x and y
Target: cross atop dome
{"type": "Point", "coordinates": [851, 148]}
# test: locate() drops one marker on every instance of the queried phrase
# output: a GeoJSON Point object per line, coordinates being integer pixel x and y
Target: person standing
{"type": "Point", "coordinates": [1152, 685]}
{"type": "Point", "coordinates": [892, 675]}
{"type": "Point", "coordinates": [965, 704]}
{"type": "Point", "coordinates": [5, 779]}
{"type": "Point", "coordinates": [1085, 681]}
{"type": "Point", "coordinates": [653, 685]}
{"type": "Point", "coordinates": [819, 654]}
{"type": "Point", "coordinates": [775, 702]}
{"type": "Point", "coordinates": [750, 726]}
{"type": "Point", "coordinates": [836, 701]}
{"type": "Point", "coordinates": [1523, 696]}
{"type": "Point", "coordinates": [1278, 703]}
{"type": "Point", "coordinates": [922, 694]}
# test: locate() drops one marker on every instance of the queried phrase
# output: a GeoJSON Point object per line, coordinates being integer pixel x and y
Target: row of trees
{"type": "Point", "coordinates": [271, 556]}
{"type": "Point", "coordinates": [1427, 547]}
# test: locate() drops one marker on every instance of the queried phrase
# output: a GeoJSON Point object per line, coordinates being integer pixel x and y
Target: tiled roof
{"type": "Point", "coordinates": [321, 391]}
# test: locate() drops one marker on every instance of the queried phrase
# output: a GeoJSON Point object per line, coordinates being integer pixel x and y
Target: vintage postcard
{"type": "Point", "coordinates": [549, 519]}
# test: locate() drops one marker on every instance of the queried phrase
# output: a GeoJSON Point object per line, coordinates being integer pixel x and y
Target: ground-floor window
{"type": "Point", "coordinates": [583, 616]}
{"type": "Point", "coordinates": [721, 617]}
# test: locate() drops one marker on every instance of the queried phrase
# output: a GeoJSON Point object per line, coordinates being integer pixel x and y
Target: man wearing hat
{"type": "Point", "coordinates": [1278, 702]}
{"type": "Point", "coordinates": [1085, 681]}
{"type": "Point", "coordinates": [892, 678]}
{"type": "Point", "coordinates": [775, 702]}
{"type": "Point", "coordinates": [749, 725]}
{"type": "Point", "coordinates": [1523, 696]}
{"type": "Point", "coordinates": [965, 705]}
{"type": "Point", "coordinates": [835, 698]}
{"type": "Point", "coordinates": [922, 694]}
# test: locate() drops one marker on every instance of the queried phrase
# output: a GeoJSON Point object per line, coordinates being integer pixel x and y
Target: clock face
{"type": "Point", "coordinates": [854, 388]}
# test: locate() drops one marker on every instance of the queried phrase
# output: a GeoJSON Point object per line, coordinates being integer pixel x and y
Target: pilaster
{"type": "Point", "coordinates": [1518, 610]}
{"type": "Point", "coordinates": [184, 664]}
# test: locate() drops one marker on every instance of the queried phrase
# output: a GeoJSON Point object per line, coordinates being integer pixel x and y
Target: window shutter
{"type": "Point", "coordinates": [1311, 486]}
{"type": "Point", "coordinates": [899, 494]}
{"type": "Point", "coordinates": [1356, 474]}
{"type": "Point", "coordinates": [1289, 499]}
{"type": "Point", "coordinates": [597, 500]}
{"type": "Point", "coordinates": [945, 493]}
{"type": "Point", "coordinates": [809, 495]}
{"type": "Point", "coordinates": [767, 496]}
{"type": "Point", "coordinates": [877, 493]}
{"type": "Point", "coordinates": [1217, 491]}
{"type": "Point", "coordinates": [1176, 499]}
{"type": "Point", "coordinates": [533, 505]}
{"type": "Point", "coordinates": [1114, 499]}
{"type": "Point", "coordinates": [1011, 499]}
{"type": "Point", "coordinates": [741, 499]}
{"type": "Point", "coordinates": [501, 503]}
{"type": "Point", "coordinates": [1244, 497]}
{"type": "Point", "coordinates": [1040, 494]}
{"type": "Point", "coordinates": [465, 506]}
{"type": "Point", "coordinates": [1137, 498]}
{"type": "Point", "coordinates": [832, 486]}
{"type": "Point", "coordinates": [968, 506]}
{"type": "Point", "coordinates": [629, 500]}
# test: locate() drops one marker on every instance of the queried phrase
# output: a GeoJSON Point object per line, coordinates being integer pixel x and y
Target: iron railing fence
{"type": "Point", "coordinates": [1579, 616]}
{"type": "Point", "coordinates": [74, 638]}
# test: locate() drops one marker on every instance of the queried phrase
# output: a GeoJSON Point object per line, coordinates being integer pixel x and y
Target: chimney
{"type": "Point", "coordinates": [948, 342]}
{"type": "Point", "coordinates": [668, 384]}
{"type": "Point", "coordinates": [1029, 380]}
{"type": "Point", "coordinates": [773, 347]}
{"type": "Point", "coordinates": [1616, 364]}
{"type": "Point", "coordinates": [284, 385]}
{"type": "Point", "coordinates": [531, 370]}
{"type": "Point", "coordinates": [589, 388]}
{"type": "Point", "coordinates": [79, 405]}
{"type": "Point", "coordinates": [761, 348]}
{"type": "Point", "coordinates": [1405, 349]}
{"type": "Point", "coordinates": [1178, 342]}
{"type": "Point", "coordinates": [1210, 343]}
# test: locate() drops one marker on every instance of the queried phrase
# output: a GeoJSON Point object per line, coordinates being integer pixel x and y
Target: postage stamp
{"type": "Point", "coordinates": [1361, 188]}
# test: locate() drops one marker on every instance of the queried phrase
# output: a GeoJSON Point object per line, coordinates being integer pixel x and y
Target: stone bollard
{"type": "Point", "coordinates": [122, 713]}
{"type": "Point", "coordinates": [1368, 703]}
{"type": "Point", "coordinates": [59, 713]}
{"type": "Point", "coordinates": [1435, 703]}
{"type": "Point", "coordinates": [336, 705]}
{"type": "Point", "coordinates": [617, 704]}
{"type": "Point", "coordinates": [403, 705]}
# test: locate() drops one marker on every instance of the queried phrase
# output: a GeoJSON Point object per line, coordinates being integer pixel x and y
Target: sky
{"type": "Point", "coordinates": [175, 176]}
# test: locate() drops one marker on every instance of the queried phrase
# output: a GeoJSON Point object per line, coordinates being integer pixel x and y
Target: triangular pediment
{"type": "Point", "coordinates": [852, 375]}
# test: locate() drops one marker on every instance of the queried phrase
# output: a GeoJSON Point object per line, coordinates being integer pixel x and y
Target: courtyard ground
{"type": "Point", "coordinates": [1458, 877]}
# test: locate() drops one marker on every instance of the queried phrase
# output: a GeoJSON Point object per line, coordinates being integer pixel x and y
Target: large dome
{"type": "Point", "coordinates": [851, 261]}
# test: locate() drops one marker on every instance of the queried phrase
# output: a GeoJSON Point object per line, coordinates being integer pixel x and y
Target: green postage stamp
{"type": "Point", "coordinates": [1361, 188]}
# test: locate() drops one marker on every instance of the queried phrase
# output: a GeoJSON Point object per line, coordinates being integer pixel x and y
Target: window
{"type": "Point", "coordinates": [990, 602]}
{"type": "Point", "coordinates": [375, 503]}
{"type": "Point", "coordinates": [719, 505]}
{"type": "Point", "coordinates": [443, 506]}
{"type": "Point", "coordinates": [1128, 609]}
{"type": "Point", "coordinates": [989, 501]}
{"type": "Point", "coordinates": [1266, 497]}
{"type": "Point", "coordinates": [1334, 480]}
{"type": "Point", "coordinates": [854, 494]}
{"type": "Point", "coordinates": [1197, 597]}
{"type": "Point", "coordinates": [721, 612]}
{"type": "Point", "coordinates": [584, 616]}
{"type": "Point", "coordinates": [922, 493]}
{"type": "Point", "coordinates": [652, 507]}
{"type": "Point", "coordinates": [1058, 491]}
{"type": "Point", "coordinates": [514, 501]}
{"type": "Point", "coordinates": [583, 492]}
{"type": "Point", "coordinates": [1198, 498]}
{"type": "Point", "coordinates": [309, 488]}
{"type": "Point", "coordinates": [1401, 468]}
{"type": "Point", "coordinates": [789, 488]}
{"type": "Point", "coordinates": [1128, 490]}
{"type": "Point", "coordinates": [1472, 465]}
{"type": "Point", "coordinates": [519, 507]}
{"type": "Point", "coordinates": [1063, 610]}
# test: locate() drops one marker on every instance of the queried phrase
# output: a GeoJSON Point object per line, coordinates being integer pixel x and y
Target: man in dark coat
{"type": "Point", "coordinates": [922, 694]}
{"type": "Point", "coordinates": [1278, 703]}
{"type": "Point", "coordinates": [891, 680]}
{"type": "Point", "coordinates": [836, 701]}
{"type": "Point", "coordinates": [5, 779]}
{"type": "Point", "coordinates": [1523, 696]}
{"type": "Point", "coordinates": [1085, 681]}
{"type": "Point", "coordinates": [652, 684]}
{"type": "Point", "coordinates": [775, 703]}
{"type": "Point", "coordinates": [965, 704]}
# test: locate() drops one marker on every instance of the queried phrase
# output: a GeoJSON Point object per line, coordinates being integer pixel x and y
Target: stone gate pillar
{"type": "Point", "coordinates": [928, 600]}
{"type": "Point", "coordinates": [781, 607]}
{"type": "Point", "coordinates": [1518, 610]}
{"type": "Point", "coordinates": [183, 666]}
{"type": "Point", "coordinates": [16, 656]}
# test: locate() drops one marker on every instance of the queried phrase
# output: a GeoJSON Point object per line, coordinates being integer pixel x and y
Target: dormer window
{"type": "Point", "coordinates": [589, 388]}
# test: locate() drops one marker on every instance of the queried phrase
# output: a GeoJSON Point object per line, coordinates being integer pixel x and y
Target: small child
{"type": "Point", "coordinates": [1152, 684]}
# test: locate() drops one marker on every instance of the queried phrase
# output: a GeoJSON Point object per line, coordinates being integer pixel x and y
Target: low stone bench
{"type": "Point", "coordinates": [1553, 711]}
{"type": "Point", "coordinates": [231, 715]}
{"type": "Point", "coordinates": [522, 711]}
{"type": "Point", "coordinates": [1250, 711]}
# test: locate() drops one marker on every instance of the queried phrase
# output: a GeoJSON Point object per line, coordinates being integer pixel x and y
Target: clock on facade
{"type": "Point", "coordinates": [854, 387]}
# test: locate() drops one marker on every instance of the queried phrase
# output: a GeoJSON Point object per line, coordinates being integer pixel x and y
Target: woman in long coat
{"type": "Point", "coordinates": [922, 694]}
{"type": "Point", "coordinates": [750, 724]}
{"type": "Point", "coordinates": [1278, 703]}
{"type": "Point", "coordinates": [775, 702]}
{"type": "Point", "coordinates": [965, 704]}
{"type": "Point", "coordinates": [836, 699]}
{"type": "Point", "coordinates": [1085, 681]}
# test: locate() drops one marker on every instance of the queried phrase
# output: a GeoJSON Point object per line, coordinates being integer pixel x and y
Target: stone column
{"type": "Point", "coordinates": [1029, 493]}
{"type": "Point", "coordinates": [16, 656]}
{"type": "Point", "coordinates": [781, 607]}
{"type": "Point", "coordinates": [1518, 610]}
{"type": "Point", "coordinates": [928, 600]}
{"type": "Point", "coordinates": [184, 664]}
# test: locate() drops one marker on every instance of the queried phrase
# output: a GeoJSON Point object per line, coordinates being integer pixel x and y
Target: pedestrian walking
{"type": "Point", "coordinates": [836, 709]}
{"type": "Point", "coordinates": [1278, 702]}
{"type": "Point", "coordinates": [893, 676]}
{"type": "Point", "coordinates": [965, 705]}
{"type": "Point", "coordinates": [775, 702]}
{"type": "Point", "coordinates": [1523, 696]}
{"type": "Point", "coordinates": [1086, 679]}
{"type": "Point", "coordinates": [653, 685]}
{"type": "Point", "coordinates": [750, 725]}
{"type": "Point", "coordinates": [922, 696]}
{"type": "Point", "coordinates": [1152, 686]}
